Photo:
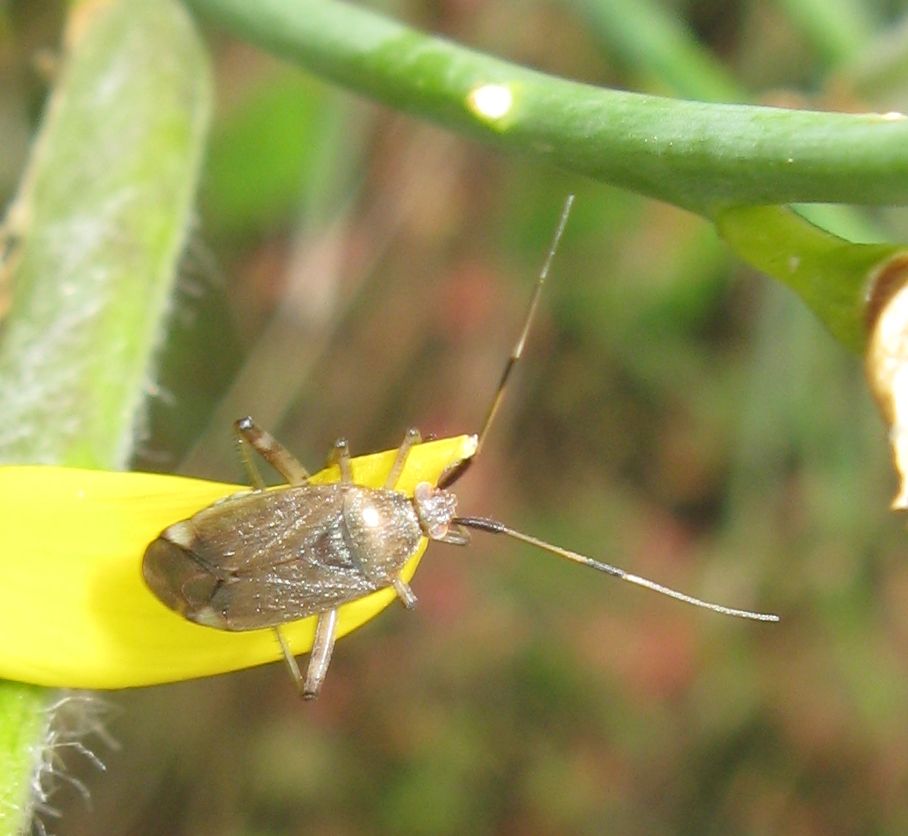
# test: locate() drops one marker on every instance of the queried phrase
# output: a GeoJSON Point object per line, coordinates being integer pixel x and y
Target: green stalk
{"type": "Point", "coordinates": [708, 158]}
{"type": "Point", "coordinates": [837, 29]}
{"type": "Point", "coordinates": [654, 42]}
{"type": "Point", "coordinates": [881, 69]}
{"type": "Point", "coordinates": [703, 157]}
{"type": "Point", "coordinates": [829, 273]}
{"type": "Point", "coordinates": [94, 237]}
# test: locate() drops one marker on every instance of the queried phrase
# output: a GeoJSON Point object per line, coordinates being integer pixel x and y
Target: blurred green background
{"type": "Point", "coordinates": [355, 272]}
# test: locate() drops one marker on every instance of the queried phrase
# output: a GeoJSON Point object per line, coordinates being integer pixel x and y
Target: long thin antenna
{"type": "Point", "coordinates": [455, 473]}
{"type": "Point", "coordinates": [494, 527]}
{"type": "Point", "coordinates": [517, 351]}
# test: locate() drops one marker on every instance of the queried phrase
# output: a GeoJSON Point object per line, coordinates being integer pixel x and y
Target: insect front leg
{"type": "Point", "coordinates": [400, 460]}
{"type": "Point", "coordinates": [340, 455]}
{"type": "Point", "coordinates": [271, 450]}
{"type": "Point", "coordinates": [320, 657]}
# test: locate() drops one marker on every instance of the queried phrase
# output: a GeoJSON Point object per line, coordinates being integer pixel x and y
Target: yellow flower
{"type": "Point", "coordinates": [74, 610]}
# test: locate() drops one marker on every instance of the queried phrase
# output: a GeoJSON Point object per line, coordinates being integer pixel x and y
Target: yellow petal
{"type": "Point", "coordinates": [74, 610]}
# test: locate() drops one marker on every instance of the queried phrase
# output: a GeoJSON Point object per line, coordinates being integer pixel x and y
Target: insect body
{"type": "Point", "coordinates": [336, 543]}
{"type": "Point", "coordinates": [264, 558]}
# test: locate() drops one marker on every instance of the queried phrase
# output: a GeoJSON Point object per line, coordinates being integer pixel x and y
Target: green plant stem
{"type": "Point", "coordinates": [837, 29]}
{"type": "Point", "coordinates": [99, 223]}
{"type": "Point", "coordinates": [94, 236]}
{"type": "Point", "coordinates": [653, 41]}
{"type": "Point", "coordinates": [831, 275]}
{"type": "Point", "coordinates": [703, 157]}
{"type": "Point", "coordinates": [23, 729]}
{"type": "Point", "coordinates": [708, 158]}
{"type": "Point", "coordinates": [881, 68]}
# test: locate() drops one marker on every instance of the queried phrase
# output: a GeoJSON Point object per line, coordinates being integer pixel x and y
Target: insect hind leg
{"type": "Point", "coordinates": [290, 660]}
{"type": "Point", "coordinates": [271, 450]}
{"type": "Point", "coordinates": [320, 658]}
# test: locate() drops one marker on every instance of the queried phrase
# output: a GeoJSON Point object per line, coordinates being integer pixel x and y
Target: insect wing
{"type": "Point", "coordinates": [277, 556]}
{"type": "Point", "coordinates": [252, 533]}
{"type": "Point", "coordinates": [269, 558]}
{"type": "Point", "coordinates": [286, 592]}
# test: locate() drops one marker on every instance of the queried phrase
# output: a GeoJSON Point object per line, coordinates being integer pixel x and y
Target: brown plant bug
{"type": "Point", "coordinates": [264, 558]}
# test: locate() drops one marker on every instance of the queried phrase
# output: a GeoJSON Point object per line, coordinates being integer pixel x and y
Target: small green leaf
{"type": "Point", "coordinates": [830, 274]}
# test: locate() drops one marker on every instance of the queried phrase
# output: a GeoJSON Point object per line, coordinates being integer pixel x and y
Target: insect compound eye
{"type": "Point", "coordinates": [435, 509]}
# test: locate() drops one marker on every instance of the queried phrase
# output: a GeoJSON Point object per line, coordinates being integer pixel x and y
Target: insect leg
{"type": "Point", "coordinates": [402, 588]}
{"type": "Point", "coordinates": [271, 450]}
{"type": "Point", "coordinates": [403, 452]}
{"type": "Point", "coordinates": [321, 654]}
{"type": "Point", "coordinates": [340, 456]}
{"type": "Point", "coordinates": [290, 659]}
{"type": "Point", "coordinates": [255, 477]}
